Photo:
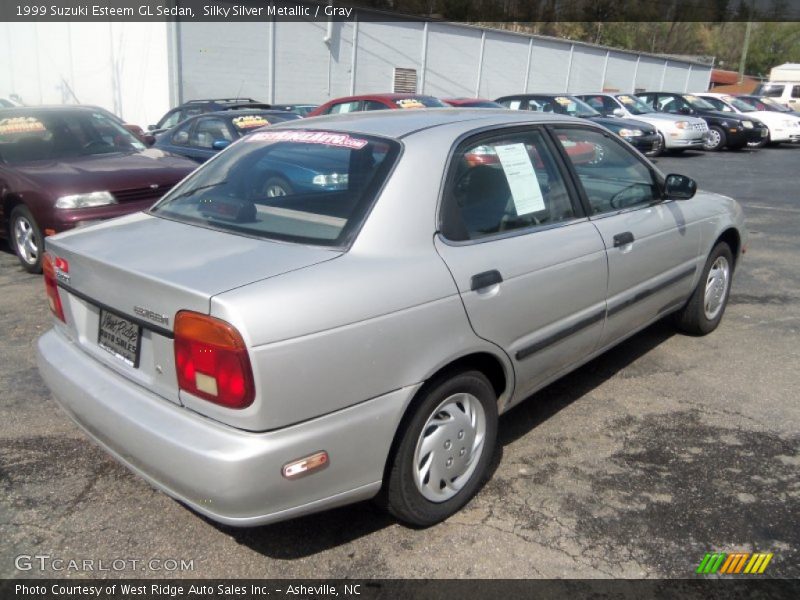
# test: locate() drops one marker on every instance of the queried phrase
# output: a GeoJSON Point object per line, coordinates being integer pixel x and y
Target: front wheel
{"type": "Point", "coordinates": [765, 141]}
{"type": "Point", "coordinates": [26, 239]}
{"type": "Point", "coordinates": [444, 450]}
{"type": "Point", "coordinates": [705, 308]}
{"type": "Point", "coordinates": [715, 139]}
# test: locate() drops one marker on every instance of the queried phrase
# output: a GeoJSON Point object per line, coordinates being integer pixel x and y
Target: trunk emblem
{"type": "Point", "coordinates": [62, 269]}
{"type": "Point", "coordinates": [153, 186]}
{"type": "Point", "coordinates": [152, 315]}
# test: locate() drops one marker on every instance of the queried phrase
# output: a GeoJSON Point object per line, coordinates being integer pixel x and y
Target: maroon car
{"type": "Point", "coordinates": [376, 102]}
{"type": "Point", "coordinates": [472, 103]}
{"type": "Point", "coordinates": [63, 167]}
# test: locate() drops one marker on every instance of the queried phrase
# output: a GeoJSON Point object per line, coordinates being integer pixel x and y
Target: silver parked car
{"type": "Point", "coordinates": [261, 357]}
{"type": "Point", "coordinates": [677, 132]}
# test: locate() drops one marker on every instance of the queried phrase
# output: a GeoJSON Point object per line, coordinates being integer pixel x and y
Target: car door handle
{"type": "Point", "coordinates": [623, 239]}
{"type": "Point", "coordinates": [485, 279]}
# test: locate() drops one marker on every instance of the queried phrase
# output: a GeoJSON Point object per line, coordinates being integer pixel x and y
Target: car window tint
{"type": "Point", "coordinates": [503, 184]}
{"type": "Point", "coordinates": [718, 104]}
{"type": "Point", "coordinates": [771, 91]}
{"type": "Point", "coordinates": [372, 105]}
{"type": "Point", "coordinates": [344, 107]}
{"type": "Point", "coordinates": [170, 120]}
{"type": "Point", "coordinates": [612, 176]}
{"type": "Point", "coordinates": [295, 185]}
{"type": "Point", "coordinates": [56, 134]}
{"type": "Point", "coordinates": [649, 100]}
{"type": "Point", "coordinates": [796, 91]}
{"type": "Point", "coordinates": [180, 136]}
{"type": "Point", "coordinates": [208, 131]}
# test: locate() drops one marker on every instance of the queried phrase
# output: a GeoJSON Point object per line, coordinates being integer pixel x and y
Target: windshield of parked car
{"type": "Point", "coordinates": [302, 186]}
{"type": "Point", "coordinates": [740, 104]}
{"type": "Point", "coordinates": [419, 102]}
{"type": "Point", "coordinates": [247, 122]}
{"type": "Point", "coordinates": [770, 90]}
{"type": "Point", "coordinates": [53, 135]}
{"type": "Point", "coordinates": [634, 105]}
{"type": "Point", "coordinates": [767, 104]}
{"type": "Point", "coordinates": [698, 103]}
{"type": "Point", "coordinates": [563, 105]}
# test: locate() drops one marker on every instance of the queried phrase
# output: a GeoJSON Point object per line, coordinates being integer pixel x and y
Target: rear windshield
{"type": "Point", "coordinates": [772, 91]}
{"type": "Point", "coordinates": [39, 135]}
{"type": "Point", "coordinates": [247, 122]}
{"type": "Point", "coordinates": [419, 102]}
{"type": "Point", "coordinates": [303, 186]}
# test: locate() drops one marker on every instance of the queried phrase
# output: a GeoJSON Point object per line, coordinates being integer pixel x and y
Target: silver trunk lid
{"type": "Point", "coordinates": [147, 269]}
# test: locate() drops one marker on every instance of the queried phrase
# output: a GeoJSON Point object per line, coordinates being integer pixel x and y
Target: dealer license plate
{"type": "Point", "coordinates": [120, 337]}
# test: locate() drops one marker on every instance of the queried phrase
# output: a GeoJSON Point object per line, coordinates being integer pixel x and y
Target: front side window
{"type": "Point", "coordinates": [502, 184]}
{"type": "Point", "coordinates": [301, 186]}
{"type": "Point", "coordinates": [719, 104]}
{"type": "Point", "coordinates": [612, 176]}
{"type": "Point", "coordinates": [698, 103]}
{"type": "Point", "coordinates": [209, 131]}
{"type": "Point", "coordinates": [796, 91]}
{"type": "Point", "coordinates": [55, 135]}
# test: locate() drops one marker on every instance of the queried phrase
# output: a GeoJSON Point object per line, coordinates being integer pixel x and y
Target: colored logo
{"type": "Point", "coordinates": [734, 563]}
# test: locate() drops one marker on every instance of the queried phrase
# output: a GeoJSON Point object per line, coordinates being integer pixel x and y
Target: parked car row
{"type": "Point", "coordinates": [65, 167]}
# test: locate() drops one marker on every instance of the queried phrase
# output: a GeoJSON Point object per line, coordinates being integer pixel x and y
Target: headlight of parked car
{"type": "Point", "coordinates": [682, 124]}
{"type": "Point", "coordinates": [86, 200]}
{"type": "Point", "coordinates": [330, 179]}
{"type": "Point", "coordinates": [630, 132]}
{"type": "Point", "coordinates": [747, 124]}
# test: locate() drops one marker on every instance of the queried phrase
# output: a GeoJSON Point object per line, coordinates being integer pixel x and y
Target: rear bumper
{"type": "Point", "coordinates": [229, 475]}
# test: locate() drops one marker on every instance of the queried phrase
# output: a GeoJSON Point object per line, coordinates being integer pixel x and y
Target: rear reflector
{"type": "Point", "coordinates": [306, 465]}
{"type": "Point", "coordinates": [51, 286]}
{"type": "Point", "coordinates": [212, 360]}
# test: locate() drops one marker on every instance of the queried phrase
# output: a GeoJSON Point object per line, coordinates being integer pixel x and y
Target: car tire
{"type": "Point", "coordinates": [703, 312]}
{"type": "Point", "coordinates": [715, 140]}
{"type": "Point", "coordinates": [276, 186]}
{"type": "Point", "coordinates": [430, 447]}
{"type": "Point", "coordinates": [26, 239]}
{"type": "Point", "coordinates": [660, 148]}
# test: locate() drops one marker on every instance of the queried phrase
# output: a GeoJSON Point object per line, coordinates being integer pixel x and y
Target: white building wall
{"type": "Point", "coordinates": [586, 73]}
{"type": "Point", "coordinates": [122, 67]}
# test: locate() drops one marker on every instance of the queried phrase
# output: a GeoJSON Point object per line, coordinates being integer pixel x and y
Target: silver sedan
{"type": "Point", "coordinates": [263, 355]}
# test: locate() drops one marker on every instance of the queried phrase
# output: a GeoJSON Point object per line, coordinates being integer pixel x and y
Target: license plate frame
{"type": "Point", "coordinates": [125, 343]}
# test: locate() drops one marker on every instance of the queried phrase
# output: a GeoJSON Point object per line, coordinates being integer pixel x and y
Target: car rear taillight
{"type": "Point", "coordinates": [212, 360]}
{"type": "Point", "coordinates": [51, 287]}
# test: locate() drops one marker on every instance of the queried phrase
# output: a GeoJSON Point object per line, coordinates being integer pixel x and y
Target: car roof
{"type": "Point", "coordinates": [244, 111]}
{"type": "Point", "coordinates": [42, 108]}
{"type": "Point", "coordinates": [398, 124]}
{"type": "Point", "coordinates": [380, 96]}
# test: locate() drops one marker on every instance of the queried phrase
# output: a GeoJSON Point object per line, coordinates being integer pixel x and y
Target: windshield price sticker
{"type": "Point", "coordinates": [310, 137]}
{"type": "Point", "coordinates": [409, 103]}
{"type": "Point", "coordinates": [522, 180]}
{"type": "Point", "coordinates": [21, 125]}
{"type": "Point", "coordinates": [249, 121]}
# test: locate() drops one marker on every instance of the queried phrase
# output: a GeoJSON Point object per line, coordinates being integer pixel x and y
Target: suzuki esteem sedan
{"type": "Point", "coordinates": [262, 357]}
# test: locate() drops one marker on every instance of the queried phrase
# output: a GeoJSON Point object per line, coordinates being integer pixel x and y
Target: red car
{"type": "Point", "coordinates": [376, 102]}
{"type": "Point", "coordinates": [472, 103]}
{"type": "Point", "coordinates": [67, 166]}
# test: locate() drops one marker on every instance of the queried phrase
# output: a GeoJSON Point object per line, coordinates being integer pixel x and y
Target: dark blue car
{"type": "Point", "coordinates": [202, 136]}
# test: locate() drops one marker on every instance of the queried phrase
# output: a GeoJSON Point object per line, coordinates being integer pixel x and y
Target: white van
{"type": "Point", "coordinates": [785, 92]}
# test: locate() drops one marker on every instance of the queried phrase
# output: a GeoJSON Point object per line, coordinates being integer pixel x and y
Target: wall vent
{"type": "Point", "coordinates": [405, 81]}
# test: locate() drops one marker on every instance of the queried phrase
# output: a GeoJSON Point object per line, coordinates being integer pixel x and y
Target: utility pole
{"type": "Point", "coordinates": [744, 50]}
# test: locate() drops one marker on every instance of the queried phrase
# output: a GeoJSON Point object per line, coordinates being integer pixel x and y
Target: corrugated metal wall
{"type": "Point", "coordinates": [313, 62]}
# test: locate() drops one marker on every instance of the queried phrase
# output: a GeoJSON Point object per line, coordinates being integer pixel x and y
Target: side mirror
{"type": "Point", "coordinates": [685, 110]}
{"type": "Point", "coordinates": [618, 112]}
{"type": "Point", "coordinates": [152, 127]}
{"type": "Point", "coordinates": [220, 144]}
{"type": "Point", "coordinates": [679, 187]}
{"type": "Point", "coordinates": [149, 139]}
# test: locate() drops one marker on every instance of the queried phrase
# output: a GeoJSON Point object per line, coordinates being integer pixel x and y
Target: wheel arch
{"type": "Point", "coordinates": [9, 201]}
{"type": "Point", "coordinates": [731, 237]}
{"type": "Point", "coordinates": [497, 371]}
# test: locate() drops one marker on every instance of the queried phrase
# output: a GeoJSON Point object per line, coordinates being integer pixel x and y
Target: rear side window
{"type": "Point", "coordinates": [796, 91]}
{"type": "Point", "coordinates": [504, 183]}
{"type": "Point", "coordinates": [300, 186]}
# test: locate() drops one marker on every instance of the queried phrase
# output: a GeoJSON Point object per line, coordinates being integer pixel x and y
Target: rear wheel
{"type": "Point", "coordinates": [444, 450]}
{"type": "Point", "coordinates": [705, 308]}
{"type": "Point", "coordinates": [26, 239]}
{"type": "Point", "coordinates": [715, 139]}
{"type": "Point", "coordinates": [277, 186]}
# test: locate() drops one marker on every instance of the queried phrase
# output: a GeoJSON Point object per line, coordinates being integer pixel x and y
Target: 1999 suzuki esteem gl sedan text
{"type": "Point", "coordinates": [263, 356]}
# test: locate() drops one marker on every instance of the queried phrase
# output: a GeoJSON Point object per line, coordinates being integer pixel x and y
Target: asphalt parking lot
{"type": "Point", "coordinates": [636, 465]}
